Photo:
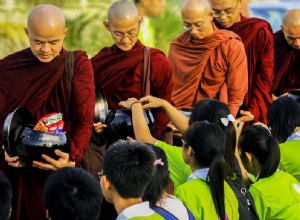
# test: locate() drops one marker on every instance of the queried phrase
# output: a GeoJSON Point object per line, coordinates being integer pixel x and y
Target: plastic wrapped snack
{"type": "Point", "coordinates": [51, 123]}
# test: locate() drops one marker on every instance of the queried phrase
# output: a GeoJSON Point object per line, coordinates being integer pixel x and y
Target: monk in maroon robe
{"type": "Point", "coordinates": [257, 36]}
{"type": "Point", "coordinates": [35, 78]}
{"type": "Point", "coordinates": [119, 68]}
{"type": "Point", "coordinates": [207, 62]}
{"type": "Point", "coordinates": [287, 55]}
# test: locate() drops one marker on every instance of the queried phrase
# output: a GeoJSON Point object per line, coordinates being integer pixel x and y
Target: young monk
{"type": "Point", "coordinates": [36, 79]}
{"type": "Point", "coordinates": [287, 55]}
{"type": "Point", "coordinates": [207, 62]}
{"type": "Point", "coordinates": [257, 36]}
{"type": "Point", "coordinates": [119, 68]}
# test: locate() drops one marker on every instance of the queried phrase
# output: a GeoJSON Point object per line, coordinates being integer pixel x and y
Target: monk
{"type": "Point", "coordinates": [35, 78]}
{"type": "Point", "coordinates": [257, 36]}
{"type": "Point", "coordinates": [119, 68]}
{"type": "Point", "coordinates": [287, 55]}
{"type": "Point", "coordinates": [207, 62]}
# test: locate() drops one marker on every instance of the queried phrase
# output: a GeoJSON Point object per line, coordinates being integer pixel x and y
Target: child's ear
{"type": "Point", "coordinates": [106, 183]}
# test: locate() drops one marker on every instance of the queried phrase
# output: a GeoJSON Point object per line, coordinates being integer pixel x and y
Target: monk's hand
{"type": "Point", "coordinates": [99, 127]}
{"type": "Point", "coordinates": [246, 116]}
{"type": "Point", "coordinates": [63, 161]}
{"type": "Point", "coordinates": [128, 103]}
{"type": "Point", "coordinates": [13, 161]}
{"type": "Point", "coordinates": [149, 102]}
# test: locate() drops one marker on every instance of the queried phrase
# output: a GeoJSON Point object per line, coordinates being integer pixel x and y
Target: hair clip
{"type": "Point", "coordinates": [225, 121]}
{"type": "Point", "coordinates": [159, 162]}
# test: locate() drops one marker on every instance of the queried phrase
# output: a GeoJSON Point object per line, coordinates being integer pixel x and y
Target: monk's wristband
{"type": "Point", "coordinates": [133, 104]}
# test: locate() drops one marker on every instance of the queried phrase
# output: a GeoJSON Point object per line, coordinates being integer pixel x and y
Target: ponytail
{"type": "Point", "coordinates": [259, 142]}
{"type": "Point", "coordinates": [216, 178]}
{"type": "Point", "coordinates": [208, 144]}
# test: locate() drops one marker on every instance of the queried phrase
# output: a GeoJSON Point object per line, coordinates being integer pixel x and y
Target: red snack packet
{"type": "Point", "coordinates": [50, 123]}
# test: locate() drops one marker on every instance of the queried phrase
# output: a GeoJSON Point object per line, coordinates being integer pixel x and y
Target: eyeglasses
{"type": "Point", "coordinates": [120, 35]}
{"type": "Point", "coordinates": [227, 13]}
{"type": "Point", "coordinates": [189, 27]}
{"type": "Point", "coordinates": [183, 143]}
{"type": "Point", "coordinates": [100, 174]}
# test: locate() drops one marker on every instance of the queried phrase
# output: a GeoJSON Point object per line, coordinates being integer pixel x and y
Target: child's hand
{"type": "Point", "coordinates": [128, 103]}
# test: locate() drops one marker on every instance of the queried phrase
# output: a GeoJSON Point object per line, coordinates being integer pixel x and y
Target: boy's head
{"type": "Point", "coordinates": [5, 197]}
{"type": "Point", "coordinates": [72, 193]}
{"type": "Point", "coordinates": [128, 167]}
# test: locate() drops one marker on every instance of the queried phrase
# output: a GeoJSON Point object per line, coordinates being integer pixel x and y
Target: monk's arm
{"type": "Point", "coordinates": [237, 74]}
{"type": "Point", "coordinates": [161, 87]}
{"type": "Point", "coordinates": [263, 77]}
{"type": "Point", "coordinates": [83, 103]}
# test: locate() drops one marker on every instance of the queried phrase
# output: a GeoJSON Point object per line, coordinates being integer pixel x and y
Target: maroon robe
{"type": "Point", "coordinates": [119, 73]}
{"type": "Point", "coordinates": [287, 66]}
{"type": "Point", "coordinates": [43, 89]}
{"type": "Point", "coordinates": [257, 36]}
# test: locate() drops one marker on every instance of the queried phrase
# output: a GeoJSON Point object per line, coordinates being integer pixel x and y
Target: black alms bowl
{"type": "Point", "coordinates": [21, 140]}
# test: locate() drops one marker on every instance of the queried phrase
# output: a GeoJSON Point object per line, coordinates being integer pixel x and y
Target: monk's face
{"type": "Point", "coordinates": [292, 35]}
{"type": "Point", "coordinates": [227, 12]}
{"type": "Point", "coordinates": [197, 22]}
{"type": "Point", "coordinates": [46, 41]}
{"type": "Point", "coordinates": [124, 32]}
{"type": "Point", "coordinates": [153, 7]}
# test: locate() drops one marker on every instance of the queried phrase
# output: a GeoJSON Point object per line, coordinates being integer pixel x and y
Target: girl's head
{"type": "Point", "coordinates": [203, 147]}
{"type": "Point", "coordinates": [215, 111]}
{"type": "Point", "coordinates": [259, 151]}
{"type": "Point", "coordinates": [283, 117]}
{"type": "Point", "coordinates": [160, 179]}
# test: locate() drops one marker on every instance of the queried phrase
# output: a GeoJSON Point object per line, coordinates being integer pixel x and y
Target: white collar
{"type": "Point", "coordinates": [142, 209]}
{"type": "Point", "coordinates": [294, 136]}
{"type": "Point", "coordinates": [201, 173]}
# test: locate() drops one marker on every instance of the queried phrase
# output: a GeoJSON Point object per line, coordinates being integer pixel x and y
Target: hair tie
{"type": "Point", "coordinates": [225, 121]}
{"type": "Point", "coordinates": [159, 162]}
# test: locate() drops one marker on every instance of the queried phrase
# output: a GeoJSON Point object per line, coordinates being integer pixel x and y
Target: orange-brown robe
{"type": "Point", "coordinates": [213, 67]}
{"type": "Point", "coordinates": [43, 89]}
{"type": "Point", "coordinates": [119, 73]}
{"type": "Point", "coordinates": [257, 36]}
{"type": "Point", "coordinates": [287, 66]}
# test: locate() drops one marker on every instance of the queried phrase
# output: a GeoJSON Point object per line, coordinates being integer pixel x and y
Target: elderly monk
{"type": "Point", "coordinates": [119, 68]}
{"type": "Point", "coordinates": [257, 36]}
{"type": "Point", "coordinates": [36, 79]}
{"type": "Point", "coordinates": [207, 62]}
{"type": "Point", "coordinates": [287, 55]}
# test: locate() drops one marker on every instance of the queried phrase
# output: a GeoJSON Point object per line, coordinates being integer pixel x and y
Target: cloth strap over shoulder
{"type": "Point", "coordinates": [146, 73]}
{"type": "Point", "coordinates": [69, 69]}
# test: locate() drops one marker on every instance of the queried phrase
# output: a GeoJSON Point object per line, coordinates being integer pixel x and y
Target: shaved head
{"type": "Point", "coordinates": [122, 10]}
{"type": "Point", "coordinates": [291, 17]}
{"type": "Point", "coordinates": [46, 31]}
{"type": "Point", "coordinates": [291, 28]}
{"type": "Point", "coordinates": [195, 5]}
{"type": "Point", "coordinates": [46, 15]}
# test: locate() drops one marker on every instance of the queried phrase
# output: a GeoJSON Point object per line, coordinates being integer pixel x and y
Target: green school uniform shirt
{"type": "Point", "coordinates": [288, 161]}
{"type": "Point", "coordinates": [179, 170]}
{"type": "Point", "coordinates": [139, 212]}
{"type": "Point", "coordinates": [196, 195]}
{"type": "Point", "coordinates": [277, 197]}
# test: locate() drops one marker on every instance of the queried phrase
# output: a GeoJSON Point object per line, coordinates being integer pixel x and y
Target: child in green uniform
{"type": "Point", "coordinates": [284, 121]}
{"type": "Point", "coordinates": [276, 194]}
{"type": "Point", "coordinates": [128, 167]}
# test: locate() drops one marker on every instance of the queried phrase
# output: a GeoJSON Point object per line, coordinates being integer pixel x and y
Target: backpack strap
{"type": "Point", "coordinates": [164, 213]}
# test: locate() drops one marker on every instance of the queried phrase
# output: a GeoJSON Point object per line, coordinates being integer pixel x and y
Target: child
{"type": "Point", "coordinates": [276, 194]}
{"type": "Point", "coordinates": [128, 167]}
